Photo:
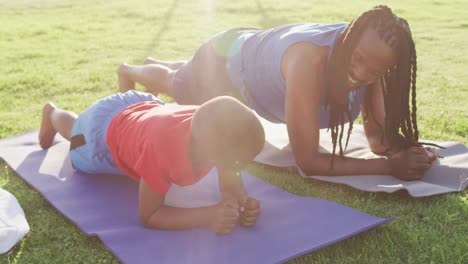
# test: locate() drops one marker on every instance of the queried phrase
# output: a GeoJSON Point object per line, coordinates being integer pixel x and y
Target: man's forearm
{"type": "Point", "coordinates": [320, 164]}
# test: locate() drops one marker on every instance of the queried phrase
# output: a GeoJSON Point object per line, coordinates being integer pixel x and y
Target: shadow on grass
{"type": "Point", "coordinates": [266, 21]}
{"type": "Point", "coordinates": [163, 29]}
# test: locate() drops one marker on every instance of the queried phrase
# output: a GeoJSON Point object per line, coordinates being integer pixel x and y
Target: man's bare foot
{"type": "Point", "coordinates": [150, 60]}
{"type": "Point", "coordinates": [125, 82]}
{"type": "Point", "coordinates": [47, 131]}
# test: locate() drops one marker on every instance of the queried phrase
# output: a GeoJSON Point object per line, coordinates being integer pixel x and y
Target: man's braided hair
{"type": "Point", "coordinates": [398, 83]}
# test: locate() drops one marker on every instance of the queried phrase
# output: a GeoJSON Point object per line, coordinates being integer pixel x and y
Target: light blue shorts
{"type": "Point", "coordinates": [95, 156]}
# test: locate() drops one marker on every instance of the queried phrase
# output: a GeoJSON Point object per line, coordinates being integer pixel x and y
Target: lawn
{"type": "Point", "coordinates": [68, 51]}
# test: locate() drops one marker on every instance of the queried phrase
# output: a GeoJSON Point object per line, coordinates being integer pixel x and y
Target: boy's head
{"type": "Point", "coordinates": [226, 132]}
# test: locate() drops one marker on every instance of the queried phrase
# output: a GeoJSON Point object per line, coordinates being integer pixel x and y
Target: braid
{"type": "Point", "coordinates": [398, 83]}
{"type": "Point", "coordinates": [350, 129]}
{"type": "Point", "coordinates": [337, 99]}
{"type": "Point", "coordinates": [406, 86]}
{"type": "Point", "coordinates": [413, 91]}
{"type": "Point", "coordinates": [341, 135]}
{"type": "Point", "coordinates": [406, 68]}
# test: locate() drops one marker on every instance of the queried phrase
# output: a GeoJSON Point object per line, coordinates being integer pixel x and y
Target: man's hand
{"type": "Point", "coordinates": [411, 164]}
{"type": "Point", "coordinates": [249, 211]}
{"type": "Point", "coordinates": [431, 153]}
{"type": "Point", "coordinates": [226, 217]}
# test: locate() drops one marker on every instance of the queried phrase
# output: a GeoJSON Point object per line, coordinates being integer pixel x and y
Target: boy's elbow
{"type": "Point", "coordinates": [145, 220]}
{"type": "Point", "coordinates": [155, 221]}
{"type": "Point", "coordinates": [150, 220]}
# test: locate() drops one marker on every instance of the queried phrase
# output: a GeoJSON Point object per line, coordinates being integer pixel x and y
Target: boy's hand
{"type": "Point", "coordinates": [411, 164]}
{"type": "Point", "coordinates": [226, 217]}
{"type": "Point", "coordinates": [249, 211]}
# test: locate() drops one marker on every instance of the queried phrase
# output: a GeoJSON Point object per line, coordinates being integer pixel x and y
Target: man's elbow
{"type": "Point", "coordinates": [378, 149]}
{"type": "Point", "coordinates": [377, 146]}
{"type": "Point", "coordinates": [375, 140]}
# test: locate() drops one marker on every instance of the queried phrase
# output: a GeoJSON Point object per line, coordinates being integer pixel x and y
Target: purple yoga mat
{"type": "Point", "coordinates": [106, 206]}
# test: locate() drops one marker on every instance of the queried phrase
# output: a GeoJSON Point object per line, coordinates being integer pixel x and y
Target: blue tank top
{"type": "Point", "coordinates": [254, 66]}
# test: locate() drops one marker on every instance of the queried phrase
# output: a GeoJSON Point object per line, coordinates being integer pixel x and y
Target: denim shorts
{"type": "Point", "coordinates": [94, 156]}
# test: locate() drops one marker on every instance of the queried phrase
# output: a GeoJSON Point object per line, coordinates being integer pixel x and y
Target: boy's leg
{"type": "Point", "coordinates": [174, 65]}
{"type": "Point", "coordinates": [156, 78]}
{"type": "Point", "coordinates": [55, 120]}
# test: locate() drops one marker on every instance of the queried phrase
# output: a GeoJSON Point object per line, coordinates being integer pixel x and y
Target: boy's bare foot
{"type": "Point", "coordinates": [125, 83]}
{"type": "Point", "coordinates": [150, 60]}
{"type": "Point", "coordinates": [47, 131]}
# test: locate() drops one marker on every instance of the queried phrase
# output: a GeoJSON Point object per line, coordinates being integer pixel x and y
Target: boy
{"type": "Point", "coordinates": [135, 134]}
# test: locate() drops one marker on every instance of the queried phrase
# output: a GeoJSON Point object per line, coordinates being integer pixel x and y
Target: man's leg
{"type": "Point", "coordinates": [156, 78]}
{"type": "Point", "coordinates": [174, 65]}
{"type": "Point", "coordinates": [55, 120]}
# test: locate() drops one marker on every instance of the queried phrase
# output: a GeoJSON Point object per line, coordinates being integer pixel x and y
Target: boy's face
{"type": "Point", "coordinates": [232, 158]}
{"type": "Point", "coordinates": [233, 164]}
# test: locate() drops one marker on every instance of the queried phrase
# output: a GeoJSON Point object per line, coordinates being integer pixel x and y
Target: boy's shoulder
{"type": "Point", "coordinates": [171, 122]}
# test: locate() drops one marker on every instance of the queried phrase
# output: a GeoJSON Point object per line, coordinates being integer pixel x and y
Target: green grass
{"type": "Point", "coordinates": [67, 52]}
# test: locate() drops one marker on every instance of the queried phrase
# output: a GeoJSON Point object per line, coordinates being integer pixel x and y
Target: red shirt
{"type": "Point", "coordinates": [150, 141]}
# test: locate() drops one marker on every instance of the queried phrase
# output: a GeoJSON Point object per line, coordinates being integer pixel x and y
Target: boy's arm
{"type": "Point", "coordinates": [231, 186]}
{"type": "Point", "coordinates": [222, 217]}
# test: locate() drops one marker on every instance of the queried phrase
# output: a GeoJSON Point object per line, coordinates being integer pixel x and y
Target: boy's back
{"type": "Point", "coordinates": [151, 141]}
